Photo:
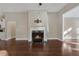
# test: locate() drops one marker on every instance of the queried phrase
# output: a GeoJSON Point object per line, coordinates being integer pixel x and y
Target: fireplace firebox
{"type": "Point", "coordinates": [37, 36]}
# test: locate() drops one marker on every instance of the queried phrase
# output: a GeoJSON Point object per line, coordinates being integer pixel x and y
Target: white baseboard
{"type": "Point", "coordinates": [28, 40]}
{"type": "Point", "coordinates": [52, 38]}
{"type": "Point", "coordinates": [8, 38]}
{"type": "Point", "coordinates": [17, 38]}
{"type": "Point", "coordinates": [21, 38]}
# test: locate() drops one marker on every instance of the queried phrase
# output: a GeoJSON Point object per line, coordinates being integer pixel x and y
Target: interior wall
{"type": "Point", "coordinates": [66, 8]}
{"type": "Point", "coordinates": [71, 28]}
{"type": "Point", "coordinates": [21, 23]}
{"type": "Point", "coordinates": [11, 29]}
{"type": "Point", "coordinates": [53, 25]}
{"type": "Point", "coordinates": [21, 19]}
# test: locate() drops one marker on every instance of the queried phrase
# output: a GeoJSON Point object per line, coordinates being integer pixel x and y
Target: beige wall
{"type": "Point", "coordinates": [53, 25]}
{"type": "Point", "coordinates": [11, 29]}
{"type": "Point", "coordinates": [21, 23]}
{"type": "Point", "coordinates": [54, 21]}
{"type": "Point", "coordinates": [71, 28]}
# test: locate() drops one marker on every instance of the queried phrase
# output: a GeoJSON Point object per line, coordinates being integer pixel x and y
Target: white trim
{"type": "Point", "coordinates": [29, 41]}
{"type": "Point", "coordinates": [55, 39]}
{"type": "Point", "coordinates": [7, 38]}
{"type": "Point", "coordinates": [21, 38]}
{"type": "Point", "coordinates": [17, 38]}
{"type": "Point", "coordinates": [62, 27]}
{"type": "Point", "coordinates": [37, 28]}
{"type": "Point", "coordinates": [70, 38]}
{"type": "Point", "coordinates": [52, 38]}
{"type": "Point", "coordinates": [60, 39]}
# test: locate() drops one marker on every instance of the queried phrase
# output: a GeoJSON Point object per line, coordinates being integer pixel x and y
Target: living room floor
{"type": "Point", "coordinates": [24, 48]}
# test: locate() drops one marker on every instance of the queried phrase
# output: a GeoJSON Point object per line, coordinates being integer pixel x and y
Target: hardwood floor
{"type": "Point", "coordinates": [24, 48]}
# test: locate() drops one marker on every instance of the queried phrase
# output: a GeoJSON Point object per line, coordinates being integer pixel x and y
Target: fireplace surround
{"type": "Point", "coordinates": [37, 23]}
{"type": "Point", "coordinates": [38, 34]}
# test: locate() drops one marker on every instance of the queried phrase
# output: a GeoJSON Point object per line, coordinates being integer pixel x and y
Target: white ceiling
{"type": "Point", "coordinates": [72, 13]}
{"type": "Point", "coordinates": [22, 7]}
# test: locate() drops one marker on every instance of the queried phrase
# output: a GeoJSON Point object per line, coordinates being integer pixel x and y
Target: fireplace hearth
{"type": "Point", "coordinates": [37, 36]}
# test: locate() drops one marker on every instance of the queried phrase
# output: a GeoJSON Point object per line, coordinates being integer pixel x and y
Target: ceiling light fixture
{"type": "Point", "coordinates": [40, 4]}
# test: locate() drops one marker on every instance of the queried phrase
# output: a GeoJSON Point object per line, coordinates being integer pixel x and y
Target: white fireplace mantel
{"type": "Point", "coordinates": [37, 28]}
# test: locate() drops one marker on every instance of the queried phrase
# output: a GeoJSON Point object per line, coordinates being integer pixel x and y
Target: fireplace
{"type": "Point", "coordinates": [37, 36]}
